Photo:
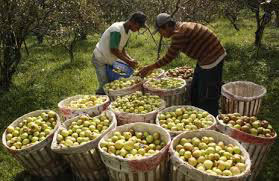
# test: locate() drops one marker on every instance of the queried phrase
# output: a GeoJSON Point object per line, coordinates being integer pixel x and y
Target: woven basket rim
{"type": "Point", "coordinates": [182, 106]}
{"type": "Point", "coordinates": [219, 121]}
{"type": "Point", "coordinates": [79, 148]}
{"type": "Point", "coordinates": [225, 92]}
{"type": "Point", "coordinates": [132, 125]}
{"type": "Point", "coordinates": [62, 102]}
{"type": "Point", "coordinates": [38, 145]}
{"type": "Point", "coordinates": [145, 85]}
{"type": "Point", "coordinates": [205, 132]}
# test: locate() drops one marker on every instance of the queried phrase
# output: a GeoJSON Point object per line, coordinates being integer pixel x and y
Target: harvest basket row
{"type": "Point", "coordinates": [83, 156]}
{"type": "Point", "coordinates": [136, 151]}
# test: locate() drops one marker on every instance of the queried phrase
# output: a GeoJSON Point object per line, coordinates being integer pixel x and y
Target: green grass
{"type": "Point", "coordinates": [46, 76]}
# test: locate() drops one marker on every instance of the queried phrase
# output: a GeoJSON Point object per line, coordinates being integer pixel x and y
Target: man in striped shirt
{"type": "Point", "coordinates": [197, 42]}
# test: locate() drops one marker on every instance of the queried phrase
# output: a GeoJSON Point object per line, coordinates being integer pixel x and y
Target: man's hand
{"type": "Point", "coordinates": [145, 70]}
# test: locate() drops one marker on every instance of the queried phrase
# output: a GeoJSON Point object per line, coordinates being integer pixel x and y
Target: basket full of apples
{"type": "Point", "coordinates": [177, 119]}
{"type": "Point", "coordinates": [123, 86]}
{"type": "Point", "coordinates": [83, 104]}
{"type": "Point", "coordinates": [137, 107]}
{"type": "Point", "coordinates": [208, 155]}
{"type": "Point", "coordinates": [183, 72]}
{"type": "Point", "coordinates": [256, 136]}
{"type": "Point", "coordinates": [138, 151]}
{"type": "Point", "coordinates": [28, 139]}
{"type": "Point", "coordinates": [172, 90]}
{"type": "Point", "coordinates": [77, 139]}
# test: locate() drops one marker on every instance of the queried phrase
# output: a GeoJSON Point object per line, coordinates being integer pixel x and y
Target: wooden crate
{"type": "Point", "coordinates": [257, 147]}
{"type": "Point", "coordinates": [152, 168]}
{"type": "Point", "coordinates": [84, 159]}
{"type": "Point", "coordinates": [68, 113]}
{"type": "Point", "coordinates": [182, 171]}
{"type": "Point", "coordinates": [242, 97]}
{"type": "Point", "coordinates": [38, 159]}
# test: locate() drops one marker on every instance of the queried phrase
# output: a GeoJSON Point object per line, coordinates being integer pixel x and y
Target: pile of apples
{"type": "Point", "coordinates": [31, 130]}
{"type": "Point", "coordinates": [122, 83]}
{"type": "Point", "coordinates": [165, 83]}
{"type": "Point", "coordinates": [137, 103]}
{"type": "Point", "coordinates": [185, 119]}
{"type": "Point", "coordinates": [119, 71]}
{"type": "Point", "coordinates": [250, 125]}
{"type": "Point", "coordinates": [181, 72]}
{"type": "Point", "coordinates": [154, 74]}
{"type": "Point", "coordinates": [211, 156]}
{"type": "Point", "coordinates": [86, 101]}
{"type": "Point", "coordinates": [133, 144]}
{"type": "Point", "coordinates": [83, 130]}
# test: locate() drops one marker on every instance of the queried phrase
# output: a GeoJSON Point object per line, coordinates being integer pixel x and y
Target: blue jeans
{"type": "Point", "coordinates": [101, 75]}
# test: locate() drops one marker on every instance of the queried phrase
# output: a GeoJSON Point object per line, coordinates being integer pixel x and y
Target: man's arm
{"type": "Point", "coordinates": [171, 54]}
{"type": "Point", "coordinates": [114, 44]}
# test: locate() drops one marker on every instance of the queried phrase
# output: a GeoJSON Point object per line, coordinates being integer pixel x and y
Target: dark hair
{"type": "Point", "coordinates": [170, 23]}
{"type": "Point", "coordinates": [138, 17]}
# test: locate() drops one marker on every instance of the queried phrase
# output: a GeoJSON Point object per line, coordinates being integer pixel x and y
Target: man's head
{"type": "Point", "coordinates": [165, 24]}
{"type": "Point", "coordinates": [137, 21]}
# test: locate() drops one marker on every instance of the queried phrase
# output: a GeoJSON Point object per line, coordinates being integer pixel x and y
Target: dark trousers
{"type": "Point", "coordinates": [206, 88]}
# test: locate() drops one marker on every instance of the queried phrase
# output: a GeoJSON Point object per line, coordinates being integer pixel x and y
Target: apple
{"type": "Point", "coordinates": [211, 156]}
{"type": "Point", "coordinates": [135, 144]}
{"type": "Point", "coordinates": [250, 125]}
{"type": "Point", "coordinates": [31, 130]}
{"type": "Point", "coordinates": [122, 83]}
{"type": "Point", "coordinates": [83, 130]}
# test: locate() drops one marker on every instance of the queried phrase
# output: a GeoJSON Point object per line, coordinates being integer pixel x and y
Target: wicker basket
{"type": "Point", "coordinates": [173, 108]}
{"type": "Point", "coordinates": [126, 118]}
{"type": "Point", "coordinates": [182, 171]}
{"type": "Point", "coordinates": [146, 169]}
{"type": "Point", "coordinates": [171, 96]}
{"type": "Point", "coordinates": [84, 159]}
{"type": "Point", "coordinates": [243, 97]}
{"type": "Point", "coordinates": [38, 159]}
{"type": "Point", "coordinates": [257, 147]}
{"type": "Point", "coordinates": [68, 113]}
{"type": "Point", "coordinates": [113, 94]}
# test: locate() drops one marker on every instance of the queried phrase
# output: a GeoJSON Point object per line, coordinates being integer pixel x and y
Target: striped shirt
{"type": "Point", "coordinates": [196, 41]}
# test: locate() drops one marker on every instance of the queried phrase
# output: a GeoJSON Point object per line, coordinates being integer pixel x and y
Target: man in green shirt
{"type": "Point", "coordinates": [111, 47]}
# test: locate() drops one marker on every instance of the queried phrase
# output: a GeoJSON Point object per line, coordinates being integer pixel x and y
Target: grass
{"type": "Point", "coordinates": [46, 76]}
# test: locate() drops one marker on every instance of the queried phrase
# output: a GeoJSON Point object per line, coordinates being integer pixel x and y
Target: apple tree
{"type": "Point", "coordinates": [75, 19]}
{"type": "Point", "coordinates": [17, 19]}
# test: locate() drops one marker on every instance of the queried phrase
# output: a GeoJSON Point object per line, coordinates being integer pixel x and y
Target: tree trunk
{"type": "Point", "coordinates": [266, 18]}
{"type": "Point", "coordinates": [71, 53]}
{"type": "Point", "coordinates": [82, 35]}
{"type": "Point", "coordinates": [259, 31]}
{"type": "Point", "coordinates": [277, 19]}
{"type": "Point", "coordinates": [259, 35]}
{"type": "Point", "coordinates": [232, 19]}
{"type": "Point", "coordinates": [10, 61]}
